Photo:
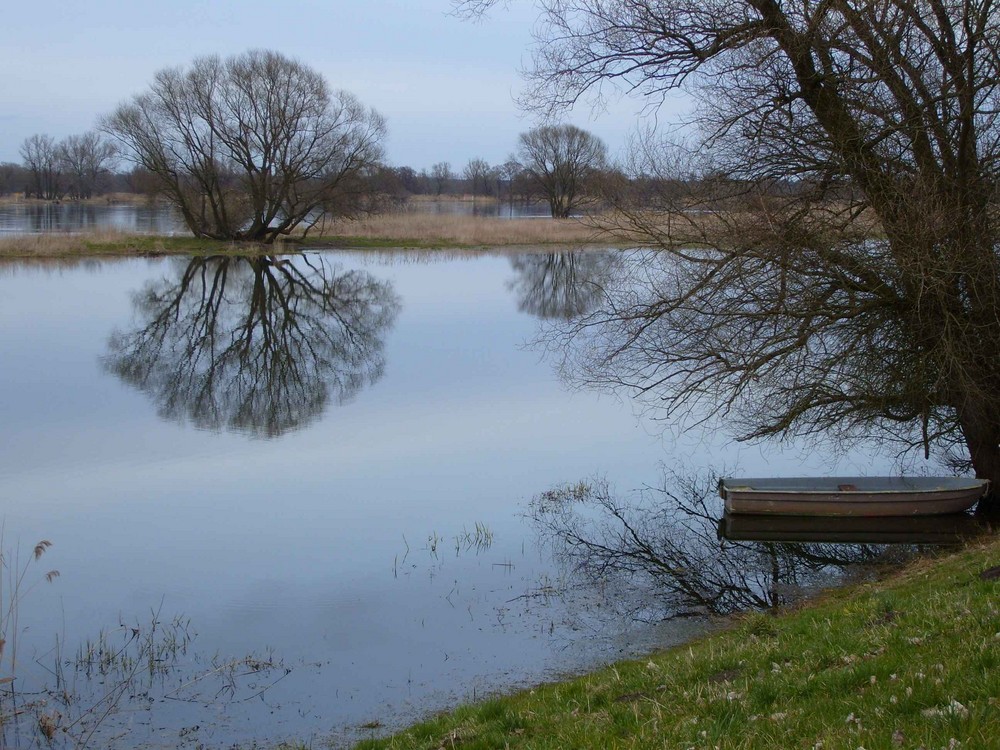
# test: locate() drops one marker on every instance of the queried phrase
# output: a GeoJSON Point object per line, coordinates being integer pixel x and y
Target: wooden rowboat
{"type": "Point", "coordinates": [953, 528]}
{"type": "Point", "coordinates": [852, 496]}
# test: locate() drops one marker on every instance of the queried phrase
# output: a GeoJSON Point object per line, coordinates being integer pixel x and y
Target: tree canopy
{"type": "Point", "coordinates": [842, 193]}
{"type": "Point", "coordinates": [250, 147]}
{"type": "Point", "coordinates": [560, 160]}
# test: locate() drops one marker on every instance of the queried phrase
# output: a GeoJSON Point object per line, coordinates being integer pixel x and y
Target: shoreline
{"type": "Point", "coordinates": [909, 660]}
{"type": "Point", "coordinates": [117, 245]}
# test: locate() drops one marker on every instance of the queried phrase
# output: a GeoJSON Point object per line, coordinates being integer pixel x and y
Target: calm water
{"type": "Point", "coordinates": [20, 218]}
{"type": "Point", "coordinates": [323, 464]}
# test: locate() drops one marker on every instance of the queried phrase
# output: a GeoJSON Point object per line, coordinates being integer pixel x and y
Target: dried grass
{"type": "Point", "coordinates": [107, 242]}
{"type": "Point", "coordinates": [403, 229]}
{"type": "Point", "coordinates": [421, 228]}
{"type": "Point", "coordinates": [58, 244]}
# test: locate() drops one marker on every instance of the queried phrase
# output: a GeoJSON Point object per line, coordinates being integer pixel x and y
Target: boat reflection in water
{"type": "Point", "coordinates": [954, 528]}
{"type": "Point", "coordinates": [661, 554]}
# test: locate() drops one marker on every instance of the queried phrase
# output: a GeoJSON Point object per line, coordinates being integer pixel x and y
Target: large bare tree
{"type": "Point", "coordinates": [850, 279]}
{"type": "Point", "coordinates": [560, 160]}
{"type": "Point", "coordinates": [250, 147]}
{"type": "Point", "coordinates": [86, 160]}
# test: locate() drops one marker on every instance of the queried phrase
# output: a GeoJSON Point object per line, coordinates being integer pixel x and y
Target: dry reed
{"type": "Point", "coordinates": [402, 229]}
{"type": "Point", "coordinates": [62, 244]}
{"type": "Point", "coordinates": [421, 228]}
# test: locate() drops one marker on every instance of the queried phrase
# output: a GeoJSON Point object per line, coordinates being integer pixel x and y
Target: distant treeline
{"type": "Point", "coordinates": [88, 166]}
{"type": "Point", "coordinates": [394, 184]}
{"type": "Point", "coordinates": [49, 172]}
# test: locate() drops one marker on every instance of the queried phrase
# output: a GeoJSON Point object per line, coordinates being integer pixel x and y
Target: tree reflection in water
{"type": "Point", "coordinates": [660, 556]}
{"type": "Point", "coordinates": [560, 286]}
{"type": "Point", "coordinates": [254, 344]}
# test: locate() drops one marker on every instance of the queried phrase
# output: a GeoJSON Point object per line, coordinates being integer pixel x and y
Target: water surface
{"type": "Point", "coordinates": [159, 218]}
{"type": "Point", "coordinates": [323, 463]}
{"type": "Point", "coordinates": [68, 216]}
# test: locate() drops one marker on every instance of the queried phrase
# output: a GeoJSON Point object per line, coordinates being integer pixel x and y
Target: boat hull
{"type": "Point", "coordinates": [948, 529]}
{"type": "Point", "coordinates": [867, 497]}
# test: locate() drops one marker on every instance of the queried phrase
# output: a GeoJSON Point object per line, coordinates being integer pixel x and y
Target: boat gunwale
{"type": "Point", "coordinates": [961, 485]}
{"type": "Point", "coordinates": [839, 496]}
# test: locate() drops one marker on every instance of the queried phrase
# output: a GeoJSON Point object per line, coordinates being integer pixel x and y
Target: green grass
{"type": "Point", "coordinates": [909, 662]}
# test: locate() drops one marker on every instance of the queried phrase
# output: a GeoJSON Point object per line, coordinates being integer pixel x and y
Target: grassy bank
{"type": "Point", "coordinates": [909, 662]}
{"type": "Point", "coordinates": [404, 230]}
{"type": "Point", "coordinates": [414, 229]}
{"type": "Point", "coordinates": [110, 243]}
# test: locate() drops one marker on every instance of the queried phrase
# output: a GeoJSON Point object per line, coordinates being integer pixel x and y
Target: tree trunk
{"type": "Point", "coordinates": [982, 437]}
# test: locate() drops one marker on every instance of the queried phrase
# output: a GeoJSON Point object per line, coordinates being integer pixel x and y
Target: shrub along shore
{"type": "Point", "coordinates": [910, 661]}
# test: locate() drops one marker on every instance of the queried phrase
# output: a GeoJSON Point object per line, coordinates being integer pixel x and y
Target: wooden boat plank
{"type": "Point", "coordinates": [851, 496]}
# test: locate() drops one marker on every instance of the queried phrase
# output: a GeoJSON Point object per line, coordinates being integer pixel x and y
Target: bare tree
{"type": "Point", "coordinates": [560, 159]}
{"type": "Point", "coordinates": [442, 177]}
{"type": "Point", "coordinates": [251, 147]}
{"type": "Point", "coordinates": [86, 160]}
{"type": "Point", "coordinates": [867, 300]}
{"type": "Point", "coordinates": [508, 172]}
{"type": "Point", "coordinates": [13, 177]}
{"type": "Point", "coordinates": [477, 174]}
{"type": "Point", "coordinates": [41, 159]}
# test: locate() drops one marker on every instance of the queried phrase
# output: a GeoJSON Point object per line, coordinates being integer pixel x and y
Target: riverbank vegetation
{"type": "Point", "coordinates": [393, 230]}
{"type": "Point", "coordinates": [910, 661]}
{"type": "Point", "coordinates": [108, 242]}
{"type": "Point", "coordinates": [413, 229]}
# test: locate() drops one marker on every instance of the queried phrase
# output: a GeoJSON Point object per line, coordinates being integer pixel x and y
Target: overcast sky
{"type": "Point", "coordinates": [446, 86]}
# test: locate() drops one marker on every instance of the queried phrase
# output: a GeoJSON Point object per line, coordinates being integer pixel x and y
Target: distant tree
{"type": "Point", "coordinates": [85, 161]}
{"type": "Point", "coordinates": [250, 147]}
{"type": "Point", "coordinates": [41, 159]}
{"type": "Point", "coordinates": [477, 174]}
{"type": "Point", "coordinates": [13, 178]}
{"type": "Point", "coordinates": [385, 188]}
{"type": "Point", "coordinates": [140, 180]}
{"type": "Point", "coordinates": [409, 179]}
{"type": "Point", "coordinates": [506, 174]}
{"type": "Point", "coordinates": [442, 176]}
{"type": "Point", "coordinates": [560, 159]}
{"type": "Point", "coordinates": [494, 181]}
{"type": "Point", "coordinates": [425, 182]}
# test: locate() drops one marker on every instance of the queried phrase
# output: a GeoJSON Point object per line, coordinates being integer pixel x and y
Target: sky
{"type": "Point", "coordinates": [447, 86]}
